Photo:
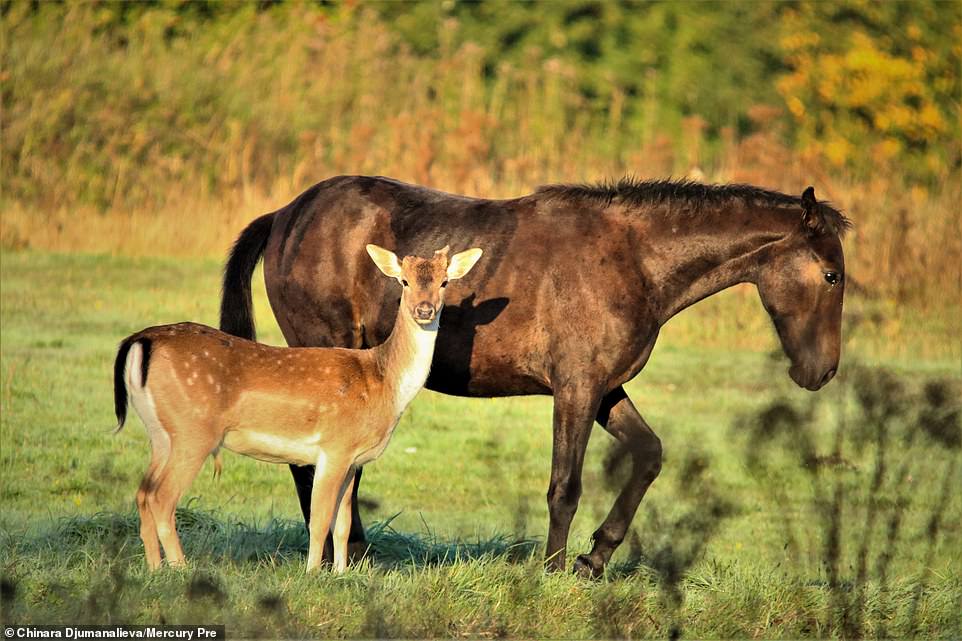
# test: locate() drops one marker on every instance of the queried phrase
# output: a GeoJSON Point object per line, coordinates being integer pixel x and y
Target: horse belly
{"type": "Point", "coordinates": [481, 382]}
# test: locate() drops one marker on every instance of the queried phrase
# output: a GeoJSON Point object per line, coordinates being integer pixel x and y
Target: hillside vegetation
{"type": "Point", "coordinates": [161, 128]}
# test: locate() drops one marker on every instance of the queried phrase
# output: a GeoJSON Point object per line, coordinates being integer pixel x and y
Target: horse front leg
{"type": "Point", "coordinates": [620, 418]}
{"type": "Point", "coordinates": [303, 482]}
{"type": "Point", "coordinates": [575, 408]}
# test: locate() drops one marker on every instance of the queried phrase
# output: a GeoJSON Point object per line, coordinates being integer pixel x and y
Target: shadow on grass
{"type": "Point", "coordinates": [95, 573]}
{"type": "Point", "coordinates": [677, 537]}
{"type": "Point", "coordinates": [881, 471]}
{"type": "Point", "coordinates": [860, 482]}
{"type": "Point", "coordinates": [211, 536]}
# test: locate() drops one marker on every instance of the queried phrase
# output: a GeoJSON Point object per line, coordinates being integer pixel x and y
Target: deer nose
{"type": "Point", "coordinates": [424, 311]}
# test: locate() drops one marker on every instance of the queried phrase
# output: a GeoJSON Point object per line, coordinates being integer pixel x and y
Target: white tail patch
{"type": "Point", "coordinates": [143, 402]}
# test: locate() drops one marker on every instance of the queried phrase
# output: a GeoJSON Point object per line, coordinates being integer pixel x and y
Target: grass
{"type": "Point", "coordinates": [723, 545]}
{"type": "Point", "coordinates": [89, 570]}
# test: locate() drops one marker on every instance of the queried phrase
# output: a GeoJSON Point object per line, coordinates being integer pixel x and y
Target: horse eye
{"type": "Point", "coordinates": [404, 282]}
{"type": "Point", "coordinates": [444, 284]}
{"type": "Point", "coordinates": [831, 278]}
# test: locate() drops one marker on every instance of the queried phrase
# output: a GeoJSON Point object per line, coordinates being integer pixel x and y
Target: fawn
{"type": "Point", "coordinates": [197, 389]}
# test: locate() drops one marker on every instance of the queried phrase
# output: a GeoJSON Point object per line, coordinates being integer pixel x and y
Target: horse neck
{"type": "Point", "coordinates": [700, 255]}
{"type": "Point", "coordinates": [405, 357]}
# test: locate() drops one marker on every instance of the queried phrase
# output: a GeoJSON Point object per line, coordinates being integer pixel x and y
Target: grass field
{"type": "Point", "coordinates": [837, 519]}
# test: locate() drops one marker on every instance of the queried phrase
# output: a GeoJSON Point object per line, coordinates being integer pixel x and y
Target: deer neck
{"type": "Point", "coordinates": [405, 357]}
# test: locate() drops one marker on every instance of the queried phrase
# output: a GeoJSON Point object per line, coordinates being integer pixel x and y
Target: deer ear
{"type": "Point", "coordinates": [385, 260]}
{"type": "Point", "coordinates": [462, 262]}
{"type": "Point", "coordinates": [811, 216]}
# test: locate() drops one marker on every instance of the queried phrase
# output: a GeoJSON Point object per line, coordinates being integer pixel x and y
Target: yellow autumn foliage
{"type": "Point", "coordinates": [864, 91]}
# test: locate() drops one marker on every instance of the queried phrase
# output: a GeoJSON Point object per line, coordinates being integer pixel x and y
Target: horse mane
{"type": "Point", "coordinates": [693, 196]}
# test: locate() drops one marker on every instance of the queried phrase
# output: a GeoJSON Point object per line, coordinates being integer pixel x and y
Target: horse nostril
{"type": "Point", "coordinates": [828, 376]}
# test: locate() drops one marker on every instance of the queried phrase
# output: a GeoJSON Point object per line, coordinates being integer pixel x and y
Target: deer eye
{"type": "Point", "coordinates": [404, 282]}
{"type": "Point", "coordinates": [444, 284]}
{"type": "Point", "coordinates": [831, 278]}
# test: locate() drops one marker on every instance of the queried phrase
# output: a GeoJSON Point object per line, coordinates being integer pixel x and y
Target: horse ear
{"type": "Point", "coordinates": [811, 215]}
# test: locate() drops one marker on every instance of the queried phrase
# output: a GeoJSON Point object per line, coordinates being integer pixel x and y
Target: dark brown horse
{"type": "Point", "coordinates": [568, 300]}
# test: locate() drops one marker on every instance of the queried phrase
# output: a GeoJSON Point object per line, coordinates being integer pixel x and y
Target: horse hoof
{"type": "Point", "coordinates": [356, 550]}
{"type": "Point", "coordinates": [585, 568]}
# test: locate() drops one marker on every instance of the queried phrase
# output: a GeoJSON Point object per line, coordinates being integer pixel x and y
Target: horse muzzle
{"type": "Point", "coordinates": [812, 380]}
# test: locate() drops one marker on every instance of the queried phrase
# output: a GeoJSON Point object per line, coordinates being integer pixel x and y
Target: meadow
{"type": "Point", "coordinates": [746, 532]}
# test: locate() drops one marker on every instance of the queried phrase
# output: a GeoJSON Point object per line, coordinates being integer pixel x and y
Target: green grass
{"type": "Point", "coordinates": [722, 546]}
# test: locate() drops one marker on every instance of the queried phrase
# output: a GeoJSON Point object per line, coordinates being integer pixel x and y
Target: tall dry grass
{"type": "Point", "coordinates": [167, 136]}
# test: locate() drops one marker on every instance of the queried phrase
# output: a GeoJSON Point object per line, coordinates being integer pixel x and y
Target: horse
{"type": "Point", "coordinates": [579, 282]}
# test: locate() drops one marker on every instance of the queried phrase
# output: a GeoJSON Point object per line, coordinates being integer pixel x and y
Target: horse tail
{"type": "Point", "coordinates": [120, 370]}
{"type": "Point", "coordinates": [236, 307]}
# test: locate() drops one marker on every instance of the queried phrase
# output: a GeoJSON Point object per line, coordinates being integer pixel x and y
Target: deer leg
{"type": "Point", "coordinates": [304, 474]}
{"type": "Point", "coordinates": [574, 413]}
{"type": "Point", "coordinates": [620, 418]}
{"type": "Point", "coordinates": [357, 539]}
{"type": "Point", "coordinates": [180, 471]}
{"type": "Point", "coordinates": [329, 475]}
{"type": "Point", "coordinates": [342, 522]}
{"type": "Point", "coordinates": [148, 528]}
{"type": "Point", "coordinates": [304, 484]}
{"type": "Point", "coordinates": [160, 447]}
